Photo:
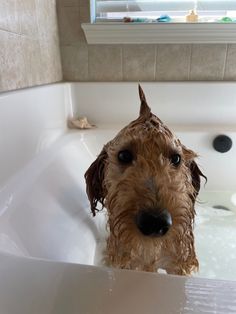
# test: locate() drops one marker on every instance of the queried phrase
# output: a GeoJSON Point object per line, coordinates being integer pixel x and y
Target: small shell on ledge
{"type": "Point", "coordinates": [79, 123]}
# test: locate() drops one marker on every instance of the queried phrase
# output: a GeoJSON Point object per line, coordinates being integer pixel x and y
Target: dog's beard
{"type": "Point", "coordinates": [128, 248]}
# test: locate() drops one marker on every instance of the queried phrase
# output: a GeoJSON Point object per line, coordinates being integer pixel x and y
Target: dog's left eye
{"type": "Point", "coordinates": [175, 159]}
{"type": "Point", "coordinates": [125, 156]}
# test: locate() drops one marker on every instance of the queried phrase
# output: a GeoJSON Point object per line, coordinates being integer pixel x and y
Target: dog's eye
{"type": "Point", "coordinates": [125, 156]}
{"type": "Point", "coordinates": [175, 159]}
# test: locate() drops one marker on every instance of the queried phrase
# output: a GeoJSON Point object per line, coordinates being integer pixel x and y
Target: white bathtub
{"type": "Point", "coordinates": [49, 243]}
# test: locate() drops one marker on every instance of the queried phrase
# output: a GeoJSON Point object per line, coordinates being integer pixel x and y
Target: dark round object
{"type": "Point", "coordinates": [154, 222]}
{"type": "Point", "coordinates": [175, 159]}
{"type": "Point", "coordinates": [222, 143]}
{"type": "Point", "coordinates": [125, 156]}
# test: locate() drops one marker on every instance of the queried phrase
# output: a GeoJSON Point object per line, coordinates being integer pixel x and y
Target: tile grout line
{"type": "Point", "coordinates": [18, 34]}
{"type": "Point", "coordinates": [122, 63]}
{"type": "Point", "coordinates": [190, 61]}
{"type": "Point", "coordinates": [225, 61]}
{"type": "Point", "coordinates": [88, 63]}
{"type": "Point", "coordinates": [155, 62]}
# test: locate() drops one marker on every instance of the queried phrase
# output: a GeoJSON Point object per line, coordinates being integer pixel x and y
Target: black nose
{"type": "Point", "coordinates": [154, 222]}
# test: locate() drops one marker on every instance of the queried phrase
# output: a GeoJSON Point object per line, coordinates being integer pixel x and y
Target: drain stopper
{"type": "Point", "coordinates": [222, 143]}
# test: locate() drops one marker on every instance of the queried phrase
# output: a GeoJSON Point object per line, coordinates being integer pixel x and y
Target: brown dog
{"type": "Point", "coordinates": [148, 181]}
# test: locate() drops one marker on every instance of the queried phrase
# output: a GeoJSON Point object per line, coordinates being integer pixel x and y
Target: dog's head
{"type": "Point", "coordinates": [145, 176]}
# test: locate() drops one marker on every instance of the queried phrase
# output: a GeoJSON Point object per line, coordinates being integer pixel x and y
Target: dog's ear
{"type": "Point", "coordinates": [195, 172]}
{"type": "Point", "coordinates": [196, 175]}
{"type": "Point", "coordinates": [145, 110]}
{"type": "Point", "coordinates": [94, 178]}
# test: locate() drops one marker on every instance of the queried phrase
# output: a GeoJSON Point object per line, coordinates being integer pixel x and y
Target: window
{"type": "Point", "coordinates": [151, 10]}
{"type": "Point", "coordinates": [216, 21]}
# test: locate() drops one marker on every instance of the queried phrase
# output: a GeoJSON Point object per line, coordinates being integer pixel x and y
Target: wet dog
{"type": "Point", "coordinates": [148, 181]}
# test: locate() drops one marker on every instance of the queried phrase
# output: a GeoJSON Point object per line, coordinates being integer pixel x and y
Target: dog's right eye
{"type": "Point", "coordinates": [175, 159]}
{"type": "Point", "coordinates": [125, 156]}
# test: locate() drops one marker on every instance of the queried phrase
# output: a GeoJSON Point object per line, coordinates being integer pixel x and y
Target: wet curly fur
{"type": "Point", "coordinates": [149, 181]}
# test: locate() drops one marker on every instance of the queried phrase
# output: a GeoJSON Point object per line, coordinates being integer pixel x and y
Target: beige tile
{"type": "Point", "coordinates": [75, 62]}
{"type": "Point", "coordinates": [46, 16]}
{"type": "Point", "coordinates": [13, 72]}
{"type": "Point", "coordinates": [230, 67]}
{"type": "Point", "coordinates": [26, 11]}
{"type": "Point", "coordinates": [34, 57]}
{"type": "Point", "coordinates": [9, 19]}
{"type": "Point", "coordinates": [173, 62]}
{"type": "Point", "coordinates": [69, 25]}
{"type": "Point", "coordinates": [32, 60]}
{"type": "Point", "coordinates": [84, 3]}
{"type": "Point", "coordinates": [1, 83]}
{"type": "Point", "coordinates": [105, 63]}
{"type": "Point", "coordinates": [139, 62]}
{"type": "Point", "coordinates": [84, 17]}
{"type": "Point", "coordinates": [68, 3]}
{"type": "Point", "coordinates": [3, 15]}
{"type": "Point", "coordinates": [50, 62]}
{"type": "Point", "coordinates": [207, 62]}
{"type": "Point", "coordinates": [84, 14]}
{"type": "Point", "coordinates": [2, 58]}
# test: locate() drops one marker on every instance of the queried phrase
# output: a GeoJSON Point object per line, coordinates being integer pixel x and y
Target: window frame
{"type": "Point", "coordinates": [171, 7]}
{"type": "Point", "coordinates": [155, 33]}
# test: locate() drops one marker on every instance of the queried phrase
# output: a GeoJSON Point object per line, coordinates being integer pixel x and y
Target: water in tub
{"type": "Point", "coordinates": [215, 241]}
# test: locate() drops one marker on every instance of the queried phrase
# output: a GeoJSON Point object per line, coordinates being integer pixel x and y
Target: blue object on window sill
{"type": "Point", "coordinates": [164, 18]}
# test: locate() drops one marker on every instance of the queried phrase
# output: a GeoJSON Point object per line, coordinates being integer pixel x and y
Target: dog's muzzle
{"type": "Point", "coordinates": [154, 222]}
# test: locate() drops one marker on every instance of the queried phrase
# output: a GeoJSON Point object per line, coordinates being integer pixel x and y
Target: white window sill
{"type": "Point", "coordinates": [141, 33]}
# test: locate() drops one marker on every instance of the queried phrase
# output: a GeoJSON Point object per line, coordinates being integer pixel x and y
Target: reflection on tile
{"type": "Point", "coordinates": [230, 66]}
{"type": "Point", "coordinates": [139, 62]}
{"type": "Point", "coordinates": [208, 61]}
{"type": "Point", "coordinates": [105, 63]}
{"type": "Point", "coordinates": [173, 62]}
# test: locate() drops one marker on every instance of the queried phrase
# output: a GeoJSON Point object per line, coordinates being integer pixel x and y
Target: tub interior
{"type": "Point", "coordinates": [45, 212]}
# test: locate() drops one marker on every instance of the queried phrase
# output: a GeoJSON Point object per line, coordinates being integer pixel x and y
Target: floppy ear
{"type": "Point", "coordinates": [196, 177]}
{"type": "Point", "coordinates": [94, 178]}
{"type": "Point", "coordinates": [196, 173]}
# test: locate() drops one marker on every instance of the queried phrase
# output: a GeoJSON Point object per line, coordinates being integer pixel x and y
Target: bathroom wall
{"type": "Point", "coordinates": [29, 45]}
{"type": "Point", "coordinates": [163, 62]}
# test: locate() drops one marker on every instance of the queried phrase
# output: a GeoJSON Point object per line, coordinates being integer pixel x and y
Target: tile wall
{"type": "Point", "coordinates": [29, 44]}
{"type": "Point", "coordinates": [30, 55]}
{"type": "Point", "coordinates": [164, 62]}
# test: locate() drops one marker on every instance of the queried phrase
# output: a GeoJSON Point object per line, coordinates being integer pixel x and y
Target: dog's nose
{"type": "Point", "coordinates": [154, 222]}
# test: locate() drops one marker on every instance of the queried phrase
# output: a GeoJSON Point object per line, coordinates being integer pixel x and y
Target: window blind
{"type": "Point", "coordinates": [116, 10]}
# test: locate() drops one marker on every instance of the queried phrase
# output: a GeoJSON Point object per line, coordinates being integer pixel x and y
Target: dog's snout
{"type": "Point", "coordinates": [154, 222]}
